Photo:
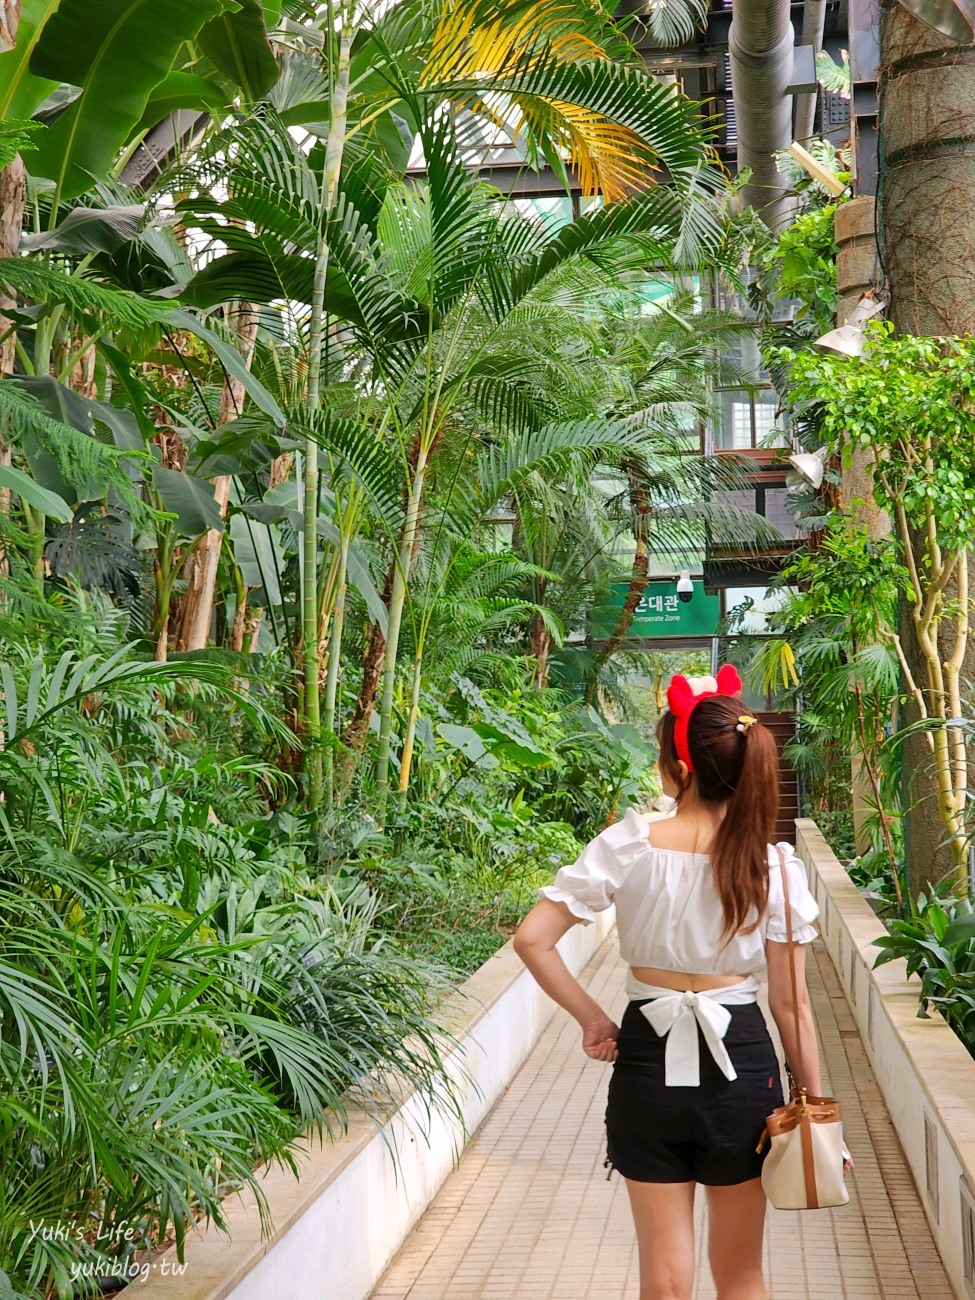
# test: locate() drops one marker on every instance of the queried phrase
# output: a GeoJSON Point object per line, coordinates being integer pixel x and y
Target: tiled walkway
{"type": "Point", "coordinates": [529, 1214]}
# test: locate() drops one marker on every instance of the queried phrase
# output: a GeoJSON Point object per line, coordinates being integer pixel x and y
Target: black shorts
{"type": "Point", "coordinates": [705, 1134]}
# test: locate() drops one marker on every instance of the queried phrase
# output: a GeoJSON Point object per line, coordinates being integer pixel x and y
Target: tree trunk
{"type": "Point", "coordinates": [239, 625]}
{"type": "Point", "coordinates": [857, 271]}
{"type": "Point", "coordinates": [401, 578]}
{"type": "Point", "coordinates": [638, 583]}
{"type": "Point", "coordinates": [925, 203]}
{"type": "Point", "coordinates": [372, 666]}
{"type": "Point", "coordinates": [927, 175]}
{"type": "Point", "coordinates": [317, 322]}
{"type": "Point", "coordinates": [641, 508]}
{"type": "Point", "coordinates": [926, 845]}
{"type": "Point", "coordinates": [541, 644]}
{"type": "Point", "coordinates": [201, 571]}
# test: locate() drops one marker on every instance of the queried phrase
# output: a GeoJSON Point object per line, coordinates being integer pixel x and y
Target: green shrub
{"type": "Point", "coordinates": [938, 943]}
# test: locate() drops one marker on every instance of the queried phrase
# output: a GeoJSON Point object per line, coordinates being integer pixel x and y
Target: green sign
{"type": "Point", "coordinates": [660, 612]}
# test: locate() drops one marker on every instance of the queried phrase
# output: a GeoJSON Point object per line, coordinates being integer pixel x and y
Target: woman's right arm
{"type": "Point", "coordinates": [802, 1053]}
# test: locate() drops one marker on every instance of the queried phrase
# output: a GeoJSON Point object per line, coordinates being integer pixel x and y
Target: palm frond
{"type": "Point", "coordinates": [366, 456]}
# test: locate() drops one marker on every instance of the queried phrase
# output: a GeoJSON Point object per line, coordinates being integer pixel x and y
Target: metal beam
{"type": "Point", "coordinates": [813, 28]}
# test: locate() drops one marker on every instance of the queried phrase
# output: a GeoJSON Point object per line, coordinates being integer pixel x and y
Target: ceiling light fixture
{"type": "Point", "coordinates": [850, 338]}
{"type": "Point", "coordinates": [811, 465]}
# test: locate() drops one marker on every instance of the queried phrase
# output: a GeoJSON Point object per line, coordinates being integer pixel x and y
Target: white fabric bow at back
{"type": "Point", "coordinates": [678, 1015]}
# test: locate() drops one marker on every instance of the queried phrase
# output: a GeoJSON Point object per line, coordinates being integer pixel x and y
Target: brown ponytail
{"type": "Point", "coordinates": [742, 769]}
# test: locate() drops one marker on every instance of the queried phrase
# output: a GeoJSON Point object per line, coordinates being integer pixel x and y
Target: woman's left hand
{"type": "Point", "coordinates": [599, 1037]}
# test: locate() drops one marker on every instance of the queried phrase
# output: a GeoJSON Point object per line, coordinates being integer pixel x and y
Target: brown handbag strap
{"type": "Point", "coordinates": [792, 960]}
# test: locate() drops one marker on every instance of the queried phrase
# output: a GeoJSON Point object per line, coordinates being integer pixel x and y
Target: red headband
{"type": "Point", "coordinates": [682, 699]}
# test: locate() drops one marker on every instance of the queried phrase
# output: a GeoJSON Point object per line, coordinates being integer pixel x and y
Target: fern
{"type": "Point", "coordinates": [15, 138]}
{"type": "Point", "coordinates": [30, 278]}
{"type": "Point", "coordinates": [90, 466]}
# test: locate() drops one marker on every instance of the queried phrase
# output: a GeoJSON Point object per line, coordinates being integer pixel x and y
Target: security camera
{"type": "Point", "coordinates": [685, 588]}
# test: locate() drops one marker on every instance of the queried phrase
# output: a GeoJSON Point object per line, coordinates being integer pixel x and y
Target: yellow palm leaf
{"type": "Point", "coordinates": [480, 42]}
{"type": "Point", "coordinates": [607, 158]}
{"type": "Point", "coordinates": [472, 40]}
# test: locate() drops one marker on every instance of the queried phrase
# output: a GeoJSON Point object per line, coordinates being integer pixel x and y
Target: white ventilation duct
{"type": "Point", "coordinates": [760, 45]}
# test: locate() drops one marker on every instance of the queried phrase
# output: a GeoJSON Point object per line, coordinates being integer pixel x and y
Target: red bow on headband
{"type": "Point", "coordinates": [682, 699]}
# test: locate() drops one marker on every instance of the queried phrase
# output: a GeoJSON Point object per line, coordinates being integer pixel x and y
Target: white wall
{"type": "Point", "coordinates": [925, 1073]}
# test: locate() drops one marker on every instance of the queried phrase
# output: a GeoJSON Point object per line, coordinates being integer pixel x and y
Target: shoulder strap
{"type": "Point", "coordinates": [792, 957]}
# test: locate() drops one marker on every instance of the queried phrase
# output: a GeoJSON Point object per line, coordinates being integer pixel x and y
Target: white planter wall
{"type": "Point", "coordinates": [925, 1073]}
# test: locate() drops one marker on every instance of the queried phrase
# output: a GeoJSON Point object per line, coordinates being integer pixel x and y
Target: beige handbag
{"type": "Point", "coordinates": [804, 1169]}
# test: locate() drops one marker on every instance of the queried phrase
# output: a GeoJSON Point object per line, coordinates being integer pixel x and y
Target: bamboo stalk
{"type": "Point", "coordinates": [339, 81]}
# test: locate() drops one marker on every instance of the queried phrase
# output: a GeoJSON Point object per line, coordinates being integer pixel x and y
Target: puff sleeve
{"type": "Point", "coordinates": [803, 905]}
{"type": "Point", "coordinates": [587, 885]}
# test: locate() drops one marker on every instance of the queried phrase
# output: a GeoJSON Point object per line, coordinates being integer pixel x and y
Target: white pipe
{"type": "Point", "coordinates": [760, 44]}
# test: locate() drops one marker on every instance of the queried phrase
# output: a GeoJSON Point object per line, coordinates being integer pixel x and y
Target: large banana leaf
{"type": "Point", "coordinates": [257, 550]}
{"type": "Point", "coordinates": [21, 91]}
{"type": "Point", "coordinates": [58, 400]}
{"type": "Point", "coordinates": [71, 412]}
{"type": "Point", "coordinates": [236, 43]}
{"type": "Point", "coordinates": [54, 427]}
{"type": "Point", "coordinates": [116, 51]}
{"type": "Point", "coordinates": [49, 503]}
{"type": "Point", "coordinates": [190, 499]}
{"type": "Point", "coordinates": [90, 230]}
{"type": "Point", "coordinates": [180, 91]}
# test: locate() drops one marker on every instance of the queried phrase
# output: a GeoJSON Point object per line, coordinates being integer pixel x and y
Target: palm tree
{"type": "Point", "coordinates": [925, 188]}
{"type": "Point", "coordinates": [435, 286]}
{"type": "Point", "coordinates": [554, 76]}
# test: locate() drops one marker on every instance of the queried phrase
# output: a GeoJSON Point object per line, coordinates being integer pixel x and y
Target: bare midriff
{"type": "Point", "coordinates": [682, 982]}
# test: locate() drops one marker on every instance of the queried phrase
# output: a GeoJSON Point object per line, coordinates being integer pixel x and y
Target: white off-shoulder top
{"type": "Point", "coordinates": [668, 913]}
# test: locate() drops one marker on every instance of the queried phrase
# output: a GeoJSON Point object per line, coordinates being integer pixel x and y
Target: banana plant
{"type": "Point", "coordinates": [127, 72]}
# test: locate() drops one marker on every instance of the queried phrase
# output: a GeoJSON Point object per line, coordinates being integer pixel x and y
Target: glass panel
{"type": "Point", "coordinates": [777, 513]}
{"type": "Point", "coordinates": [767, 432]}
{"type": "Point", "coordinates": [734, 428]}
{"type": "Point", "coordinates": [728, 533]}
{"type": "Point", "coordinates": [751, 358]}
{"type": "Point", "coordinates": [553, 212]}
{"type": "Point", "coordinates": [651, 291]}
{"type": "Point", "coordinates": [763, 604]}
